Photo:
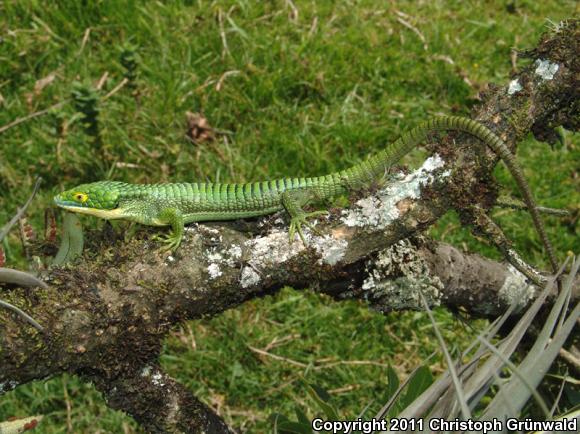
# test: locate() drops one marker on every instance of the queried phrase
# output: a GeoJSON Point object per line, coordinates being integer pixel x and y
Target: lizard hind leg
{"type": "Point", "coordinates": [292, 202]}
{"type": "Point", "coordinates": [173, 217]}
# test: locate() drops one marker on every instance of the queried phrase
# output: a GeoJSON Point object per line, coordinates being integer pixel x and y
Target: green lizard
{"type": "Point", "coordinates": [177, 204]}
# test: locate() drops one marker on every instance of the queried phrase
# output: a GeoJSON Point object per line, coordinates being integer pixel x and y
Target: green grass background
{"type": "Point", "coordinates": [296, 93]}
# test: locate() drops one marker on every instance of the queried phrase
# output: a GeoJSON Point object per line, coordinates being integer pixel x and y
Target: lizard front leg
{"type": "Point", "coordinates": [174, 218]}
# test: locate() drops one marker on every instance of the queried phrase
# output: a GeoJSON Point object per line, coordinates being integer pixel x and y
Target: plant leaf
{"type": "Point", "coordinates": [321, 397]}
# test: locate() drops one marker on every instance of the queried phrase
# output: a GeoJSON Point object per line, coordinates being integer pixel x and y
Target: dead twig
{"type": "Point", "coordinates": [280, 358]}
{"type": "Point", "coordinates": [504, 203]}
{"type": "Point", "coordinates": [225, 49]}
{"type": "Point", "coordinates": [570, 358]}
{"type": "Point", "coordinates": [293, 10]}
{"type": "Point", "coordinates": [31, 116]}
{"type": "Point", "coordinates": [20, 212]}
{"type": "Point", "coordinates": [225, 75]}
{"type": "Point", "coordinates": [17, 277]}
{"type": "Point", "coordinates": [413, 29]}
{"type": "Point", "coordinates": [486, 226]}
{"type": "Point", "coordinates": [116, 89]}
{"type": "Point", "coordinates": [69, 425]}
{"type": "Point", "coordinates": [85, 40]}
{"type": "Point", "coordinates": [22, 314]}
{"type": "Point", "coordinates": [102, 80]}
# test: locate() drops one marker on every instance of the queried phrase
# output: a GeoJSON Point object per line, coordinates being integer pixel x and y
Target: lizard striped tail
{"type": "Point", "coordinates": [375, 167]}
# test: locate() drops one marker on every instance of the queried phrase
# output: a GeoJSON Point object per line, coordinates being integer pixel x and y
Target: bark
{"type": "Point", "coordinates": [125, 296]}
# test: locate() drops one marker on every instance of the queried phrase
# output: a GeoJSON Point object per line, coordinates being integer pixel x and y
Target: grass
{"type": "Point", "coordinates": [302, 94]}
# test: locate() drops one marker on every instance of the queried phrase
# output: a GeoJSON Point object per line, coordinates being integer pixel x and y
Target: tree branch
{"type": "Point", "coordinates": [159, 403]}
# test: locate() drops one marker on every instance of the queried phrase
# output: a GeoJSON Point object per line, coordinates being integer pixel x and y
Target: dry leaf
{"type": "Point", "coordinates": [49, 226]}
{"type": "Point", "coordinates": [38, 87]}
{"type": "Point", "coordinates": [16, 426]}
{"type": "Point", "coordinates": [27, 233]}
{"type": "Point", "coordinates": [198, 128]}
{"type": "Point", "coordinates": [43, 82]}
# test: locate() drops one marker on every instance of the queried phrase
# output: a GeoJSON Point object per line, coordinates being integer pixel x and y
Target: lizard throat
{"type": "Point", "coordinates": [108, 214]}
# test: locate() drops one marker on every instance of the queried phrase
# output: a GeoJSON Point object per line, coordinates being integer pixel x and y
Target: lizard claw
{"type": "Point", "coordinates": [170, 241]}
{"type": "Point", "coordinates": [301, 219]}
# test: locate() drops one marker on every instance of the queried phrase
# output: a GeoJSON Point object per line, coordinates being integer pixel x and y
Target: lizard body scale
{"type": "Point", "coordinates": [181, 203]}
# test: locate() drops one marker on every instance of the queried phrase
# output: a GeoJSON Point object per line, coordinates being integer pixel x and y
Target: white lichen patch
{"type": "Point", "coordinates": [214, 235]}
{"type": "Point", "coordinates": [215, 256]}
{"type": "Point", "coordinates": [274, 249]}
{"type": "Point", "coordinates": [546, 69]}
{"type": "Point", "coordinates": [556, 27]}
{"type": "Point", "coordinates": [194, 227]}
{"type": "Point", "coordinates": [397, 278]}
{"type": "Point", "coordinates": [370, 211]}
{"type": "Point", "coordinates": [157, 379]}
{"type": "Point", "coordinates": [249, 277]}
{"type": "Point", "coordinates": [516, 289]}
{"type": "Point", "coordinates": [331, 249]}
{"type": "Point", "coordinates": [174, 408]}
{"type": "Point", "coordinates": [514, 87]}
{"type": "Point", "coordinates": [222, 258]}
{"type": "Point", "coordinates": [382, 211]}
{"type": "Point", "coordinates": [214, 271]}
{"type": "Point", "coordinates": [154, 374]}
{"type": "Point", "coordinates": [234, 252]}
{"type": "Point", "coordinates": [7, 386]}
{"type": "Point", "coordinates": [268, 252]}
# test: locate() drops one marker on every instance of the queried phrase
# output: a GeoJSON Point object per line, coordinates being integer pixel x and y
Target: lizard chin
{"type": "Point", "coordinates": [108, 214]}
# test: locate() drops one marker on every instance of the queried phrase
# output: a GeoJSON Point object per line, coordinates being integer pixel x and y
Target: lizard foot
{"type": "Point", "coordinates": [301, 219]}
{"type": "Point", "coordinates": [173, 217]}
{"type": "Point", "coordinates": [171, 241]}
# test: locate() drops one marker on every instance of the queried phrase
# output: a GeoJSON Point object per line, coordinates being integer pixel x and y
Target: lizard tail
{"type": "Point", "coordinates": [375, 167]}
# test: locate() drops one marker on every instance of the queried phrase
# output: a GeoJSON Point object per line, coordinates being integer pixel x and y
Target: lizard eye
{"type": "Point", "coordinates": [81, 197]}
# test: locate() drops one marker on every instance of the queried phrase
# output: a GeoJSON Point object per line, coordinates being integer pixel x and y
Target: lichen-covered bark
{"type": "Point", "coordinates": [160, 403]}
{"type": "Point", "coordinates": [125, 297]}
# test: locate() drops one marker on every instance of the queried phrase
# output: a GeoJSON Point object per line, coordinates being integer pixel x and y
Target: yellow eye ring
{"type": "Point", "coordinates": [81, 197]}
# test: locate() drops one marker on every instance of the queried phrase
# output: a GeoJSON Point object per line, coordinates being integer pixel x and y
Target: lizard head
{"type": "Point", "coordinates": [100, 199]}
